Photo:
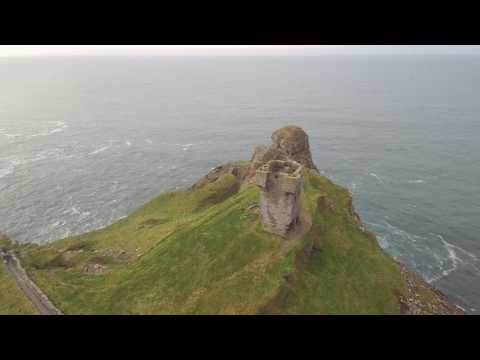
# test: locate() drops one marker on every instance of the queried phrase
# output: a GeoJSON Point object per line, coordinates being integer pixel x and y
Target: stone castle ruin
{"type": "Point", "coordinates": [281, 183]}
{"type": "Point", "coordinates": [278, 171]}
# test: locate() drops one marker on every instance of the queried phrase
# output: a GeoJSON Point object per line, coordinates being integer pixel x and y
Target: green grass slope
{"type": "Point", "coordinates": [12, 301]}
{"type": "Point", "coordinates": [201, 251]}
{"type": "Point", "coordinates": [204, 251]}
{"type": "Point", "coordinates": [347, 272]}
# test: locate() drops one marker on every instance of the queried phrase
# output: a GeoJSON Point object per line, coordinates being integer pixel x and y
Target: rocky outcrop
{"type": "Point", "coordinates": [281, 183]}
{"type": "Point", "coordinates": [411, 303]}
{"type": "Point", "coordinates": [288, 143]}
{"type": "Point", "coordinates": [95, 269]}
{"type": "Point", "coordinates": [291, 142]}
{"type": "Point", "coordinates": [239, 170]}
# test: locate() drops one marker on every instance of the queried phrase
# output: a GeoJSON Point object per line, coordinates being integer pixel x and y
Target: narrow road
{"type": "Point", "coordinates": [26, 285]}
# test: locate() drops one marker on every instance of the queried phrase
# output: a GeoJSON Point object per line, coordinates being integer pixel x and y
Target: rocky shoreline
{"type": "Point", "coordinates": [412, 305]}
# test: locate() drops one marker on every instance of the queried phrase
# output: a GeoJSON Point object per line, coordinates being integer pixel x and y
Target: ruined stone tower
{"type": "Point", "coordinates": [281, 183]}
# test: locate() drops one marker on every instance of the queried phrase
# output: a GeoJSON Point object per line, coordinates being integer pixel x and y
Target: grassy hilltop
{"type": "Point", "coordinates": [204, 251]}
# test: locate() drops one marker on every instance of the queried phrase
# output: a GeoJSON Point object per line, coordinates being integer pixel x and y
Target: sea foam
{"type": "Point", "coordinates": [419, 181]}
{"type": "Point", "coordinates": [59, 127]}
{"type": "Point", "coordinates": [100, 150]}
{"type": "Point", "coordinates": [376, 177]}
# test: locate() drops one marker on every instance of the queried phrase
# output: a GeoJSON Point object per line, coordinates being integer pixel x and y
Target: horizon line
{"type": "Point", "coordinates": [16, 51]}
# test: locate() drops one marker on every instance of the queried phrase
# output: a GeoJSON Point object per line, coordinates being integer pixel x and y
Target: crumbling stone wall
{"type": "Point", "coordinates": [281, 183]}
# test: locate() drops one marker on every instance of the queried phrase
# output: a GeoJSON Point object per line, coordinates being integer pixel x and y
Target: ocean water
{"type": "Point", "coordinates": [84, 141]}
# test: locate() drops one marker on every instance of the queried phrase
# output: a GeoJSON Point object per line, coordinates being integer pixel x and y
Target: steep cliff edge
{"type": "Point", "coordinates": [205, 251]}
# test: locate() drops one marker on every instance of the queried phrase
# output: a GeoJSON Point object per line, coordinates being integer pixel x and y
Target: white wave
{"type": "Point", "coordinates": [447, 244]}
{"type": "Point", "coordinates": [185, 147]}
{"type": "Point", "coordinates": [402, 233]}
{"type": "Point", "coordinates": [376, 177]}
{"type": "Point", "coordinates": [15, 162]}
{"type": "Point", "coordinates": [4, 133]}
{"type": "Point", "coordinates": [57, 224]}
{"type": "Point", "coordinates": [418, 181]}
{"type": "Point", "coordinates": [128, 143]}
{"type": "Point", "coordinates": [439, 259]}
{"type": "Point", "coordinates": [420, 244]}
{"type": "Point", "coordinates": [98, 151]}
{"type": "Point", "coordinates": [148, 141]}
{"type": "Point", "coordinates": [382, 241]}
{"type": "Point", "coordinates": [38, 157]}
{"type": "Point", "coordinates": [452, 255]}
{"type": "Point", "coordinates": [59, 127]}
{"type": "Point", "coordinates": [72, 211]}
{"type": "Point", "coordinates": [7, 170]}
{"type": "Point", "coordinates": [455, 260]}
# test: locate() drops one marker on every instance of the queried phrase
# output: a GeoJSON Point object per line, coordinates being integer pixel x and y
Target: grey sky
{"type": "Point", "coordinates": [218, 50]}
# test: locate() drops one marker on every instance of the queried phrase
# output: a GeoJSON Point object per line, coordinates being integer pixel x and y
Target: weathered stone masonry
{"type": "Point", "coordinates": [281, 183]}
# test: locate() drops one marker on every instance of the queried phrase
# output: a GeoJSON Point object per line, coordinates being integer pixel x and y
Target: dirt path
{"type": "Point", "coordinates": [26, 285]}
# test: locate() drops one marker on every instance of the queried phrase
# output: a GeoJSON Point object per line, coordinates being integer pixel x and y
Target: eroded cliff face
{"type": "Point", "coordinates": [239, 170]}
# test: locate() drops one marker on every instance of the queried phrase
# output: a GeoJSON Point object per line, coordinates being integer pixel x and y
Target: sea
{"type": "Point", "coordinates": [84, 141]}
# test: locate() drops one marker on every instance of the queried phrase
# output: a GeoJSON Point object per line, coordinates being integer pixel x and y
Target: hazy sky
{"type": "Point", "coordinates": [216, 50]}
